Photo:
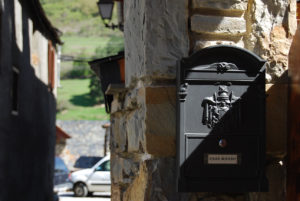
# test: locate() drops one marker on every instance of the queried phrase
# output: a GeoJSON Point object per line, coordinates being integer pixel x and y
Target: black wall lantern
{"type": "Point", "coordinates": [106, 10]}
{"type": "Point", "coordinates": [110, 70]}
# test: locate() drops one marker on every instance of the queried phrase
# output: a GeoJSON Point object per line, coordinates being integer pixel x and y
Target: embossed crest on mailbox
{"type": "Point", "coordinates": [221, 121]}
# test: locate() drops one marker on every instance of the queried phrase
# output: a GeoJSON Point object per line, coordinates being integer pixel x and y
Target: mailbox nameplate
{"type": "Point", "coordinates": [222, 159]}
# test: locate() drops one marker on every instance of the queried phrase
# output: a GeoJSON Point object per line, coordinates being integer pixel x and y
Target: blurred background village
{"type": "Point", "coordinates": [80, 102]}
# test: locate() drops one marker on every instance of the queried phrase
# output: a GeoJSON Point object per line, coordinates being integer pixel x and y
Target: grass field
{"type": "Point", "coordinates": [78, 45]}
{"type": "Point", "coordinates": [89, 48]}
{"type": "Point", "coordinates": [75, 103]}
{"type": "Point", "coordinates": [75, 45]}
{"type": "Point", "coordinates": [82, 27]}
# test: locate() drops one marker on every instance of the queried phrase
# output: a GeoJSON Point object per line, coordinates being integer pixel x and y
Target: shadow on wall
{"type": "Point", "coordinates": [276, 114]}
{"type": "Point", "coordinates": [28, 135]}
{"type": "Point", "coordinates": [231, 127]}
{"type": "Point", "coordinates": [293, 159]}
{"type": "Point", "coordinates": [240, 126]}
{"type": "Point", "coordinates": [276, 137]}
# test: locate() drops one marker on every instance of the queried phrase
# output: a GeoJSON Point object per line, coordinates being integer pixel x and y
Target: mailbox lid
{"type": "Point", "coordinates": [206, 158]}
{"type": "Point", "coordinates": [210, 72]}
{"type": "Point", "coordinates": [224, 58]}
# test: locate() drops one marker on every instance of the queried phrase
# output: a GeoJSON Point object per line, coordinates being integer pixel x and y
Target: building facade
{"type": "Point", "coordinates": [27, 103]}
{"type": "Point", "coordinates": [158, 34]}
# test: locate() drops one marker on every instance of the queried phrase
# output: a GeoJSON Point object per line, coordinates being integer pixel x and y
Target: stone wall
{"type": "Point", "coordinates": [158, 33]}
{"type": "Point", "coordinates": [87, 139]}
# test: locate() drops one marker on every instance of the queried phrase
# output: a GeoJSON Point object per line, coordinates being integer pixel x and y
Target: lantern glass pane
{"type": "Point", "coordinates": [106, 10]}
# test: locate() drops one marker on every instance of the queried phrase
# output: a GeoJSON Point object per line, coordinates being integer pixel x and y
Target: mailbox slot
{"type": "Point", "coordinates": [221, 121]}
{"type": "Point", "coordinates": [246, 165]}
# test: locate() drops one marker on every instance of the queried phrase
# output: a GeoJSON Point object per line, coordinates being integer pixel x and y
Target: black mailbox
{"type": "Point", "coordinates": [221, 121]}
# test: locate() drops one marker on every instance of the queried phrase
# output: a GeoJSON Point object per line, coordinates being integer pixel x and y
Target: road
{"type": "Point", "coordinates": [69, 196]}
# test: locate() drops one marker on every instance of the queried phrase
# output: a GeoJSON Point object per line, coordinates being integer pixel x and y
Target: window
{"type": "Point", "coordinates": [60, 166]}
{"type": "Point", "coordinates": [51, 66]}
{"type": "Point", "coordinates": [14, 91]}
{"type": "Point", "coordinates": [86, 161]}
{"type": "Point", "coordinates": [104, 166]}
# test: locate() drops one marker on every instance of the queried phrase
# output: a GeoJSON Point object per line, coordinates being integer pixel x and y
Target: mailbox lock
{"type": "Point", "coordinates": [222, 143]}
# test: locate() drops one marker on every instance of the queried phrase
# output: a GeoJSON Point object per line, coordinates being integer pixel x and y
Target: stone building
{"type": "Point", "coordinates": [61, 138]}
{"type": "Point", "coordinates": [86, 141]}
{"type": "Point", "coordinates": [158, 33]}
{"type": "Point", "coordinates": [27, 103]}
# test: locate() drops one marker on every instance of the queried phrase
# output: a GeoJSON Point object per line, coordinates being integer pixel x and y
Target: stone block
{"type": "Point", "coordinates": [266, 15]}
{"type": "Point", "coordinates": [156, 180]}
{"type": "Point", "coordinates": [116, 192]}
{"type": "Point", "coordinates": [156, 36]}
{"type": "Point", "coordinates": [276, 118]}
{"type": "Point", "coordinates": [206, 43]}
{"type": "Point", "coordinates": [137, 190]}
{"type": "Point", "coordinates": [279, 49]}
{"type": "Point", "coordinates": [116, 169]}
{"type": "Point", "coordinates": [135, 128]}
{"type": "Point", "coordinates": [134, 39]}
{"type": "Point", "coordinates": [135, 98]}
{"type": "Point", "coordinates": [160, 145]}
{"type": "Point", "coordinates": [218, 24]}
{"type": "Point", "coordinates": [129, 167]}
{"type": "Point", "coordinates": [161, 120]}
{"type": "Point", "coordinates": [118, 134]}
{"type": "Point", "coordinates": [162, 180]}
{"type": "Point", "coordinates": [161, 110]}
{"type": "Point", "coordinates": [122, 169]}
{"type": "Point", "coordinates": [116, 105]}
{"type": "Point", "coordinates": [221, 4]}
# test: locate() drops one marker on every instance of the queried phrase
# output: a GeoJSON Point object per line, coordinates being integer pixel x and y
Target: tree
{"type": "Point", "coordinates": [95, 89]}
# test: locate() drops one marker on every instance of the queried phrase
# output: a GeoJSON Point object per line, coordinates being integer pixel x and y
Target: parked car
{"type": "Point", "coordinates": [61, 176]}
{"type": "Point", "coordinates": [95, 179]}
{"type": "Point", "coordinates": [55, 197]}
{"type": "Point", "coordinates": [84, 162]}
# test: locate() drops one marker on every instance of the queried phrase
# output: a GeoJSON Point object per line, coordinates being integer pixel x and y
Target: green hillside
{"type": "Point", "coordinates": [76, 17]}
{"type": "Point", "coordinates": [82, 27]}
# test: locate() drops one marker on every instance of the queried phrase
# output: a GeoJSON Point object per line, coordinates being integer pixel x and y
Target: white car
{"type": "Point", "coordinates": [95, 179]}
